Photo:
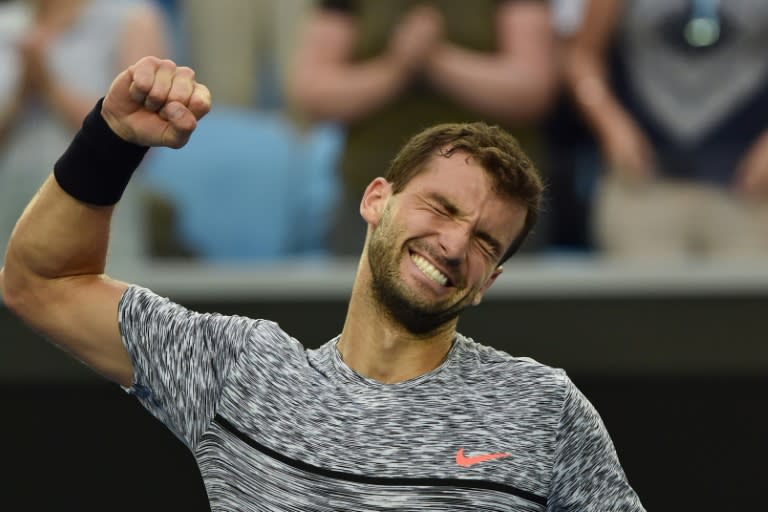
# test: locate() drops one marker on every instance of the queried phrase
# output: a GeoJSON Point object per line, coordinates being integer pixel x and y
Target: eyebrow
{"type": "Point", "coordinates": [445, 203]}
{"type": "Point", "coordinates": [453, 210]}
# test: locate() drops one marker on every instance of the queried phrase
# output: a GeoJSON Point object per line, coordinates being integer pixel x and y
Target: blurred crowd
{"type": "Point", "coordinates": [647, 118]}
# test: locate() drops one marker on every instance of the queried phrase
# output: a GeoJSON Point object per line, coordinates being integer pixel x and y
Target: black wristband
{"type": "Point", "coordinates": [98, 164]}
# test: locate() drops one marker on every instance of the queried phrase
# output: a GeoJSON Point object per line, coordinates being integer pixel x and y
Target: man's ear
{"type": "Point", "coordinates": [491, 279]}
{"type": "Point", "coordinates": [374, 199]}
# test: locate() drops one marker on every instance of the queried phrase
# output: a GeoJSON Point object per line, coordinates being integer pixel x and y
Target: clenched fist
{"type": "Point", "coordinates": [156, 103]}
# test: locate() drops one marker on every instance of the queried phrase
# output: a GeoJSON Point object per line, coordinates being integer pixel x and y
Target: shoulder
{"type": "Point", "coordinates": [145, 315]}
{"type": "Point", "coordinates": [494, 365]}
{"type": "Point", "coordinates": [140, 305]}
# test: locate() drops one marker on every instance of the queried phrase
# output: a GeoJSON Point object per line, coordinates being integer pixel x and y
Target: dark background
{"type": "Point", "coordinates": [680, 380]}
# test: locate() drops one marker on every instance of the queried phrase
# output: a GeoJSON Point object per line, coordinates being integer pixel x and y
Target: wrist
{"type": "Point", "coordinates": [98, 164]}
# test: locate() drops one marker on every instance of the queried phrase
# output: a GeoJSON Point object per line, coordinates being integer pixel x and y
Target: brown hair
{"type": "Point", "coordinates": [499, 153]}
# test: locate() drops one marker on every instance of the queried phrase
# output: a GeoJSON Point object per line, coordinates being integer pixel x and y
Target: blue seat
{"type": "Point", "coordinates": [249, 187]}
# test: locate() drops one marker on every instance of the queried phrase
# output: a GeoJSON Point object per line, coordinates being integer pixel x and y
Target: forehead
{"type": "Point", "coordinates": [459, 169]}
{"type": "Point", "coordinates": [463, 182]}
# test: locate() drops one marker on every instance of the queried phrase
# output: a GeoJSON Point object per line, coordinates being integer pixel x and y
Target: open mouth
{"type": "Point", "coordinates": [430, 270]}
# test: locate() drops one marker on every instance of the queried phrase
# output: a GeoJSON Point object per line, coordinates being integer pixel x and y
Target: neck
{"type": "Point", "coordinates": [376, 346]}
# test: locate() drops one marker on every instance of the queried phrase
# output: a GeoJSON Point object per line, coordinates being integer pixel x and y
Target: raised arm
{"type": "Point", "coordinates": [53, 277]}
{"type": "Point", "coordinates": [326, 84]}
{"type": "Point", "coordinates": [517, 83]}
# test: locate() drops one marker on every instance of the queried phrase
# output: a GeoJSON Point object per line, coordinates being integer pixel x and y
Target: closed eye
{"type": "Point", "coordinates": [440, 211]}
{"type": "Point", "coordinates": [488, 244]}
{"type": "Point", "coordinates": [443, 206]}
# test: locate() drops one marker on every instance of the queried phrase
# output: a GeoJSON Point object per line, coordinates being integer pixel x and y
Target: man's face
{"type": "Point", "coordinates": [436, 246]}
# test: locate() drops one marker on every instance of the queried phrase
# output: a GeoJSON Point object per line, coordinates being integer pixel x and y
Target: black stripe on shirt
{"type": "Point", "coordinates": [375, 480]}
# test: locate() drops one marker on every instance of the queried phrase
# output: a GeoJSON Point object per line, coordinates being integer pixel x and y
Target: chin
{"type": "Point", "coordinates": [409, 308]}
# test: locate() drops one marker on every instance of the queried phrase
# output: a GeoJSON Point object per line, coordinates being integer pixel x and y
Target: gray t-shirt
{"type": "Point", "coordinates": [274, 426]}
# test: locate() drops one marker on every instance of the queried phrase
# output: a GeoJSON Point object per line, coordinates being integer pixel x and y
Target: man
{"type": "Point", "coordinates": [398, 412]}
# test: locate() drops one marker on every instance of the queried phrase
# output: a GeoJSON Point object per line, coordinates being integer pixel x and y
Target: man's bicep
{"type": "Point", "coordinates": [83, 320]}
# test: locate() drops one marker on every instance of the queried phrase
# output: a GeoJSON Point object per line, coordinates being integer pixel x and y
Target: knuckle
{"type": "Point", "coordinates": [199, 107]}
{"type": "Point", "coordinates": [150, 60]}
{"type": "Point", "coordinates": [204, 91]}
{"type": "Point", "coordinates": [142, 82]}
{"type": "Point", "coordinates": [199, 99]}
{"type": "Point", "coordinates": [167, 64]}
{"type": "Point", "coordinates": [185, 72]}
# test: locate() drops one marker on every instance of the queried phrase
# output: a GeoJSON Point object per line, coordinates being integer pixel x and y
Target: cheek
{"type": "Point", "coordinates": [421, 221]}
{"type": "Point", "coordinates": [415, 228]}
{"type": "Point", "coordinates": [481, 277]}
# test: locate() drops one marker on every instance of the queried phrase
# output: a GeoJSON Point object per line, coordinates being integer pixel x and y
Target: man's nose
{"type": "Point", "coordinates": [454, 244]}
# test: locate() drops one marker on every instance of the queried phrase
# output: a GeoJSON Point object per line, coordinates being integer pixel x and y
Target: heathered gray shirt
{"type": "Point", "coordinates": [276, 427]}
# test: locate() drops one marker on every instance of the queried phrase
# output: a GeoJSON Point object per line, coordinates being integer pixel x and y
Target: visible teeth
{"type": "Point", "coordinates": [429, 270]}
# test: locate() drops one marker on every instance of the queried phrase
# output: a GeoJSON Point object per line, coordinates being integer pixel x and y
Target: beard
{"type": "Point", "coordinates": [400, 303]}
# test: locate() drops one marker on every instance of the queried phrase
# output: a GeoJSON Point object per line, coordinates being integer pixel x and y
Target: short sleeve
{"type": "Point", "coordinates": [181, 359]}
{"type": "Point", "coordinates": [587, 475]}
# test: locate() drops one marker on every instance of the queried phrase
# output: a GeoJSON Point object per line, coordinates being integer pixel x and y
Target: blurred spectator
{"type": "Point", "coordinates": [238, 48]}
{"type": "Point", "coordinates": [58, 59]}
{"type": "Point", "coordinates": [681, 124]}
{"type": "Point", "coordinates": [388, 69]}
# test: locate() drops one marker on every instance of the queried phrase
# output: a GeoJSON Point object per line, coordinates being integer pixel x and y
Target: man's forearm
{"type": "Point", "coordinates": [57, 240]}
